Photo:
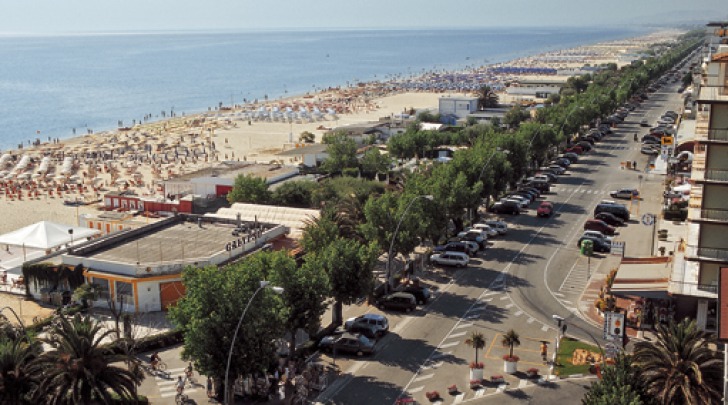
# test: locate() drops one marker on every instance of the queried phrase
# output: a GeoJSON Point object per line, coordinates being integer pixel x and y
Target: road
{"type": "Point", "coordinates": [520, 282]}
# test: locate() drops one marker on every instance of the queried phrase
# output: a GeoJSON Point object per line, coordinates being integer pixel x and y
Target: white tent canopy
{"type": "Point", "coordinates": [46, 235]}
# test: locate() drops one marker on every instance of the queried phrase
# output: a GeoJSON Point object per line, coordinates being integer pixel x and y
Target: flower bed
{"type": "Point", "coordinates": [497, 378]}
{"type": "Point", "coordinates": [532, 372]}
{"type": "Point", "coordinates": [432, 395]}
{"type": "Point", "coordinates": [475, 384]}
{"type": "Point", "coordinates": [453, 389]}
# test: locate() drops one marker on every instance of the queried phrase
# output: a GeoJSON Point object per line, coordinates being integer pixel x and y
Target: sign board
{"type": "Point", "coordinates": [723, 305]}
{"type": "Point", "coordinates": [648, 219]}
{"type": "Point", "coordinates": [667, 141]}
{"type": "Point", "coordinates": [613, 327]}
{"type": "Point", "coordinates": [611, 351]}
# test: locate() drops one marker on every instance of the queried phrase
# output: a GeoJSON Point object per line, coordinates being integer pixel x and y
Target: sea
{"type": "Point", "coordinates": [64, 85]}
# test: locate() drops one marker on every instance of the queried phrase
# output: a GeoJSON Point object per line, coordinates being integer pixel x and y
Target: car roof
{"type": "Point", "coordinates": [400, 294]}
{"type": "Point", "coordinates": [372, 316]}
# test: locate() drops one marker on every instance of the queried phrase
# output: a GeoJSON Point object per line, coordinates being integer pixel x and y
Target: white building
{"type": "Point", "coordinates": [458, 106]}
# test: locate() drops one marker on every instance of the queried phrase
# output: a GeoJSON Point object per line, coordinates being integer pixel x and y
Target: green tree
{"type": "Point", "coordinates": [620, 384]}
{"type": "Point", "coordinates": [511, 339]}
{"type": "Point", "coordinates": [374, 162]}
{"type": "Point", "coordinates": [515, 116]}
{"type": "Point", "coordinates": [80, 370]}
{"type": "Point", "coordinates": [680, 367]}
{"type": "Point", "coordinates": [307, 137]}
{"type": "Point", "coordinates": [210, 311]}
{"type": "Point", "coordinates": [249, 189]}
{"type": "Point", "coordinates": [17, 381]}
{"type": "Point", "coordinates": [294, 193]}
{"type": "Point", "coordinates": [476, 340]}
{"type": "Point", "coordinates": [319, 232]}
{"type": "Point", "coordinates": [341, 150]}
{"type": "Point", "coordinates": [487, 98]}
{"type": "Point", "coordinates": [349, 265]}
{"type": "Point", "coordinates": [687, 79]}
{"type": "Point", "coordinates": [304, 292]}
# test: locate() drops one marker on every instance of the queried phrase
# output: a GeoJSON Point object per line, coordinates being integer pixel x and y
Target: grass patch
{"type": "Point", "coordinates": [566, 352]}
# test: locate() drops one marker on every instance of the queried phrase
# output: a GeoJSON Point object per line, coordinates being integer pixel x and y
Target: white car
{"type": "Point", "coordinates": [478, 232]}
{"type": "Point", "coordinates": [521, 201]}
{"type": "Point", "coordinates": [499, 226]}
{"type": "Point", "coordinates": [558, 169]}
{"type": "Point", "coordinates": [456, 259]}
{"type": "Point", "coordinates": [487, 229]}
{"type": "Point", "coordinates": [598, 235]}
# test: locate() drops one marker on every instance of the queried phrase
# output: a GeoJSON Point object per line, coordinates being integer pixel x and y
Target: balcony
{"type": "Point", "coordinates": [706, 253]}
{"type": "Point", "coordinates": [717, 215]}
{"type": "Point", "coordinates": [716, 175]}
{"type": "Point", "coordinates": [718, 135]}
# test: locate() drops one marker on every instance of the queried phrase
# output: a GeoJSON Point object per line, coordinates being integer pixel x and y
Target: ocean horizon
{"type": "Point", "coordinates": [53, 85]}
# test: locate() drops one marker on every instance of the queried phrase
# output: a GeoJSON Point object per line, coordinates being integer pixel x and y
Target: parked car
{"type": "Point", "coordinates": [542, 186]}
{"type": "Point", "coordinates": [651, 141]}
{"type": "Point", "coordinates": [598, 225]}
{"type": "Point", "coordinates": [461, 247]}
{"type": "Point", "coordinates": [609, 218]}
{"type": "Point", "coordinates": [573, 157]}
{"type": "Point", "coordinates": [550, 177]}
{"type": "Point", "coordinates": [626, 193]}
{"type": "Point", "coordinates": [505, 208]}
{"type": "Point", "coordinates": [499, 226]}
{"type": "Point", "coordinates": [575, 149]}
{"type": "Point", "coordinates": [520, 200]}
{"type": "Point", "coordinates": [533, 190]}
{"type": "Point", "coordinates": [400, 301]}
{"type": "Point", "coordinates": [347, 343]}
{"type": "Point", "coordinates": [562, 161]}
{"type": "Point", "coordinates": [487, 229]}
{"type": "Point", "coordinates": [557, 169]}
{"type": "Point", "coordinates": [585, 145]}
{"type": "Point", "coordinates": [457, 259]}
{"type": "Point", "coordinates": [421, 294]}
{"type": "Point", "coordinates": [370, 331]}
{"type": "Point", "coordinates": [546, 209]}
{"type": "Point", "coordinates": [644, 123]}
{"type": "Point", "coordinates": [599, 245]}
{"type": "Point", "coordinates": [597, 234]}
{"type": "Point", "coordinates": [473, 237]}
{"type": "Point", "coordinates": [376, 320]}
{"type": "Point", "coordinates": [651, 138]}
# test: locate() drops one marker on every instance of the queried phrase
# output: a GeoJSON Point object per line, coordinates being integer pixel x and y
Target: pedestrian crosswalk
{"type": "Point", "coordinates": [167, 383]}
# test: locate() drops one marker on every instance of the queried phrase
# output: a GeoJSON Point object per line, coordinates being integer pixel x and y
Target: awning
{"type": "Point", "coordinates": [643, 277]}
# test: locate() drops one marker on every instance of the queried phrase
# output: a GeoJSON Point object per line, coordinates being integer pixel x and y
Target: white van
{"type": "Point", "coordinates": [499, 226]}
{"type": "Point", "coordinates": [457, 259]}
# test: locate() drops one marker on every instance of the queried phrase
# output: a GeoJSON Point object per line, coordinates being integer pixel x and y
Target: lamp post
{"type": "Point", "coordinates": [394, 236]}
{"type": "Point", "coordinates": [263, 285]}
{"type": "Point", "coordinates": [70, 232]}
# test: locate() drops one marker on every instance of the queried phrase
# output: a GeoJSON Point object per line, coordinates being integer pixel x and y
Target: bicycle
{"type": "Point", "coordinates": [181, 398]}
{"type": "Point", "coordinates": [191, 380]}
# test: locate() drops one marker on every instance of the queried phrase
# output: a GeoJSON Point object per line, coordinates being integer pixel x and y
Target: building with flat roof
{"type": "Point", "coordinates": [141, 269]}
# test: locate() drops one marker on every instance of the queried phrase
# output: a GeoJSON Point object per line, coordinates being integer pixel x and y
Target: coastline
{"type": "Point", "coordinates": [138, 158]}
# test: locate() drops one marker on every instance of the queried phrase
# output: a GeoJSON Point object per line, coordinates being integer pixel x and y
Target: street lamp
{"type": "Point", "coordinates": [263, 285]}
{"type": "Point", "coordinates": [394, 236]}
{"type": "Point", "coordinates": [559, 320]}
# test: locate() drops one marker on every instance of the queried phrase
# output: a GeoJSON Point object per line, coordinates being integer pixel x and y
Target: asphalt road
{"type": "Point", "coordinates": [525, 277]}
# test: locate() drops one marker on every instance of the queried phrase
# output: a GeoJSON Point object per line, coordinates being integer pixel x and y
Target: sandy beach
{"type": "Point", "coordinates": [35, 181]}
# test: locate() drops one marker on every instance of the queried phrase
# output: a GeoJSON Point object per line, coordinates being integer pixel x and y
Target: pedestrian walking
{"type": "Point", "coordinates": [210, 394]}
{"type": "Point", "coordinates": [544, 351]}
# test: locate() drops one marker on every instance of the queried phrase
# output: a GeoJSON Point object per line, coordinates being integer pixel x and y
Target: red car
{"type": "Point", "coordinates": [576, 149]}
{"type": "Point", "coordinates": [545, 209]}
{"type": "Point", "coordinates": [598, 225]}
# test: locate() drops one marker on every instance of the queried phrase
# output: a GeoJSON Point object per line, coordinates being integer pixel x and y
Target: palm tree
{"type": "Point", "coordinates": [511, 339]}
{"type": "Point", "coordinates": [80, 370]}
{"type": "Point", "coordinates": [680, 367]}
{"type": "Point", "coordinates": [17, 383]}
{"type": "Point", "coordinates": [476, 341]}
{"type": "Point", "coordinates": [487, 98]}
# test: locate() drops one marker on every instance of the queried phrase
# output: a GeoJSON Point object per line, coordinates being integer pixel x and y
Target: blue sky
{"type": "Point", "coordinates": [62, 16]}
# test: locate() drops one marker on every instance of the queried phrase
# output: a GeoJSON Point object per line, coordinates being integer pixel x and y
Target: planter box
{"type": "Point", "coordinates": [476, 374]}
{"type": "Point", "coordinates": [510, 367]}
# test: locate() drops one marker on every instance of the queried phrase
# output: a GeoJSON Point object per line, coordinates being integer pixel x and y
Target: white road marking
{"type": "Point", "coordinates": [423, 377]}
{"type": "Point", "coordinates": [451, 344]}
{"type": "Point", "coordinates": [522, 383]}
{"type": "Point", "coordinates": [511, 305]}
{"type": "Point", "coordinates": [518, 313]}
{"type": "Point", "coordinates": [530, 320]}
{"type": "Point", "coordinates": [454, 335]}
{"type": "Point", "coordinates": [416, 390]}
{"type": "Point", "coordinates": [545, 328]}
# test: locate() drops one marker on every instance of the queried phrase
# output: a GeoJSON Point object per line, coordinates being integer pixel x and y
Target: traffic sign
{"type": "Point", "coordinates": [667, 140]}
{"type": "Point", "coordinates": [648, 219]}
